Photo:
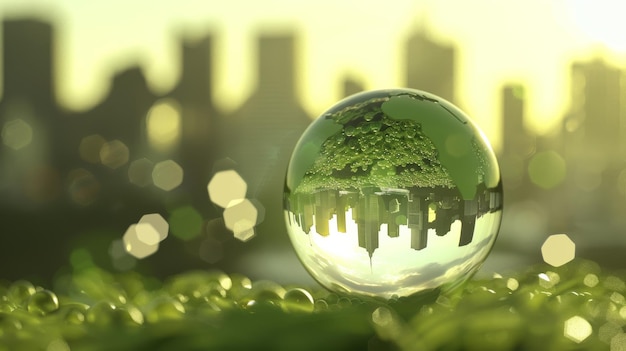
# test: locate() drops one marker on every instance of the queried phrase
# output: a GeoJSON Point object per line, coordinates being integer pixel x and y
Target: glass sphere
{"type": "Point", "coordinates": [392, 192]}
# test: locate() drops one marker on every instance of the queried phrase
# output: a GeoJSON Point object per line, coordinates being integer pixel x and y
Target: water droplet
{"type": "Point", "coordinates": [320, 305]}
{"type": "Point", "coordinates": [358, 215]}
{"type": "Point", "coordinates": [43, 302]}
{"type": "Point", "coordinates": [298, 300]}
{"type": "Point", "coordinates": [382, 316]}
{"type": "Point", "coordinates": [164, 308]}
{"type": "Point", "coordinates": [20, 291]}
{"type": "Point", "coordinates": [74, 313]}
{"type": "Point", "coordinates": [101, 314]}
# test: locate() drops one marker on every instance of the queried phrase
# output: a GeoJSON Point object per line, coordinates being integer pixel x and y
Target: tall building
{"type": "Point", "coordinates": [28, 62]}
{"type": "Point", "coordinates": [28, 111]}
{"type": "Point", "coordinates": [593, 141]}
{"type": "Point", "coordinates": [597, 110]}
{"type": "Point", "coordinates": [430, 65]}
{"type": "Point", "coordinates": [517, 143]}
{"type": "Point", "coordinates": [261, 135]}
{"type": "Point", "coordinates": [200, 121]}
{"type": "Point", "coordinates": [351, 86]}
{"type": "Point", "coordinates": [122, 114]}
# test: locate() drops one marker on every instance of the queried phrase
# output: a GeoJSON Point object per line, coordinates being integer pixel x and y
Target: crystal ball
{"type": "Point", "coordinates": [391, 193]}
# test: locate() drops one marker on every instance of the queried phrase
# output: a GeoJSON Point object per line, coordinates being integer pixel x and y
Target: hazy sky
{"type": "Point", "coordinates": [531, 42]}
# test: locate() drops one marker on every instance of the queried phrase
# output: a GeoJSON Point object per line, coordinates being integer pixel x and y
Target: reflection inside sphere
{"type": "Point", "coordinates": [392, 192]}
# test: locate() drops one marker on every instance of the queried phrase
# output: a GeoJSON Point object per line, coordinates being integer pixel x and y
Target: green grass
{"type": "Point", "coordinates": [95, 310]}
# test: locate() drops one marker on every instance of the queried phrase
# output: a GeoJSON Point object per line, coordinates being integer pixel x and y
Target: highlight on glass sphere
{"type": "Point", "coordinates": [392, 192]}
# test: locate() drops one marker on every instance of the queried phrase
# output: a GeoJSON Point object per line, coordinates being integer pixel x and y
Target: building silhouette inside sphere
{"type": "Point", "coordinates": [418, 209]}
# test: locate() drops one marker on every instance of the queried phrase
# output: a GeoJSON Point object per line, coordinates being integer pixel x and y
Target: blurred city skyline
{"type": "Point", "coordinates": [534, 44]}
{"type": "Point", "coordinates": [140, 150]}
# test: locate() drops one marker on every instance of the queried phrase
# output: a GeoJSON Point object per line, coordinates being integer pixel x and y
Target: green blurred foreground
{"type": "Point", "coordinates": [573, 307]}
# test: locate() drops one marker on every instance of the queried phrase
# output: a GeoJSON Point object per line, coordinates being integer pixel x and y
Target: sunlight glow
{"type": "Point", "coordinates": [163, 124]}
{"type": "Point", "coordinates": [602, 21]}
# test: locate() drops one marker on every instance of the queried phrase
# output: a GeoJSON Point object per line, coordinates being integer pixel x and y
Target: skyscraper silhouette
{"type": "Point", "coordinates": [28, 97]}
{"type": "Point", "coordinates": [28, 62]}
{"type": "Point", "coordinates": [262, 133]}
{"type": "Point", "coordinates": [121, 115]}
{"type": "Point", "coordinates": [430, 65]}
{"type": "Point", "coordinates": [351, 86]}
{"type": "Point", "coordinates": [515, 136]}
{"type": "Point", "coordinates": [200, 119]}
{"type": "Point", "coordinates": [598, 110]}
{"type": "Point", "coordinates": [517, 143]}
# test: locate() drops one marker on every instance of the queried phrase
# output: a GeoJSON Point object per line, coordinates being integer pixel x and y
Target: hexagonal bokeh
{"type": "Point", "coordinates": [186, 222]}
{"type": "Point", "coordinates": [157, 222]}
{"type": "Point", "coordinates": [260, 210]}
{"type": "Point", "coordinates": [135, 246]}
{"type": "Point", "coordinates": [167, 175]}
{"type": "Point", "coordinates": [242, 215]}
{"type": "Point", "coordinates": [147, 234]}
{"type": "Point", "coordinates": [140, 172]}
{"type": "Point", "coordinates": [89, 148]}
{"type": "Point", "coordinates": [83, 186]}
{"type": "Point", "coordinates": [216, 229]}
{"type": "Point", "coordinates": [607, 331]}
{"type": "Point", "coordinates": [17, 134]}
{"type": "Point", "coordinates": [577, 329]}
{"type": "Point", "coordinates": [244, 233]}
{"type": "Point", "coordinates": [558, 250]}
{"type": "Point", "coordinates": [226, 187]}
{"type": "Point", "coordinates": [618, 342]}
{"type": "Point", "coordinates": [120, 258]}
{"type": "Point", "coordinates": [114, 154]}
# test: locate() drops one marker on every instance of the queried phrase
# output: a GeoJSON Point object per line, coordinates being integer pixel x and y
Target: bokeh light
{"type": "Point", "coordinates": [163, 124]}
{"type": "Point", "coordinates": [216, 229]}
{"type": "Point", "coordinates": [547, 169]}
{"type": "Point", "coordinates": [607, 331]}
{"type": "Point", "coordinates": [140, 172]}
{"type": "Point", "coordinates": [83, 187]}
{"type": "Point", "coordinates": [242, 217]}
{"type": "Point", "coordinates": [243, 232]}
{"type": "Point", "coordinates": [135, 246]}
{"type": "Point", "coordinates": [90, 146]}
{"type": "Point", "coordinates": [558, 249]}
{"type": "Point", "coordinates": [58, 345]}
{"type": "Point", "coordinates": [577, 329]}
{"type": "Point", "coordinates": [512, 284]}
{"type": "Point", "coordinates": [120, 258]}
{"type": "Point", "coordinates": [167, 175]}
{"type": "Point", "coordinates": [226, 187]}
{"type": "Point", "coordinates": [244, 212]}
{"type": "Point", "coordinates": [17, 134]}
{"type": "Point", "coordinates": [185, 222]}
{"type": "Point", "coordinates": [548, 279]}
{"type": "Point", "coordinates": [618, 342]}
{"type": "Point", "coordinates": [147, 234]}
{"type": "Point", "coordinates": [114, 154]}
{"type": "Point", "coordinates": [591, 280]}
{"type": "Point", "coordinates": [157, 222]}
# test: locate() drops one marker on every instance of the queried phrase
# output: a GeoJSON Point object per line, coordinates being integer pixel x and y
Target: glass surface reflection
{"type": "Point", "coordinates": [392, 192]}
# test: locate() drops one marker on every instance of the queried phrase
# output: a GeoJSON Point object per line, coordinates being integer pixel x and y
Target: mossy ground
{"type": "Point", "coordinates": [573, 307]}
